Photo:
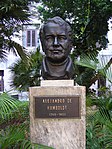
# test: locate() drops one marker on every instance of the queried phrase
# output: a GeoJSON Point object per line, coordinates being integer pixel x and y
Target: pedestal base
{"type": "Point", "coordinates": [59, 133]}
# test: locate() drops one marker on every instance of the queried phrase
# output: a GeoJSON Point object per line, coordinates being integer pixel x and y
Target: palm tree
{"type": "Point", "coordinates": [27, 75]}
{"type": "Point", "coordinates": [12, 15]}
{"type": "Point", "coordinates": [101, 69]}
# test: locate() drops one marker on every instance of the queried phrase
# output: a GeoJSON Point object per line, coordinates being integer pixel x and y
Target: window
{"type": "Point", "coordinates": [1, 80]}
{"type": "Point", "coordinates": [31, 38]}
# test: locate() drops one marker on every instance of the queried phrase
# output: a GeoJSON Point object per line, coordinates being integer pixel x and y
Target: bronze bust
{"type": "Point", "coordinates": [55, 37]}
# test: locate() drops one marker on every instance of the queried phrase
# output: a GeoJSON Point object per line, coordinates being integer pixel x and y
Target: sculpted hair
{"type": "Point", "coordinates": [56, 20]}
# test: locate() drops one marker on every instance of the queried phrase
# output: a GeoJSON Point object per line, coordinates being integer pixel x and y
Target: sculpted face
{"type": "Point", "coordinates": [57, 43]}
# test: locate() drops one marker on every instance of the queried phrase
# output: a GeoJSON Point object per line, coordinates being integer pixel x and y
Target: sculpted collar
{"type": "Point", "coordinates": [66, 69]}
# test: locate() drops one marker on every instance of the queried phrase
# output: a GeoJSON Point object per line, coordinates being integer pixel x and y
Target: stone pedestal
{"type": "Point", "coordinates": [58, 133]}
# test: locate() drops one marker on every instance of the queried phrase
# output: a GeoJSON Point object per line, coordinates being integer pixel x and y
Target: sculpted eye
{"type": "Point", "coordinates": [48, 37]}
{"type": "Point", "coordinates": [62, 37]}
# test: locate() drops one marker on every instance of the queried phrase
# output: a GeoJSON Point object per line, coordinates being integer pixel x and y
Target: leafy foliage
{"type": "Point", "coordinates": [99, 122]}
{"type": "Point", "coordinates": [24, 75]}
{"type": "Point", "coordinates": [12, 110]}
{"type": "Point", "coordinates": [100, 68]}
{"type": "Point", "coordinates": [12, 14]}
{"type": "Point", "coordinates": [99, 108]}
{"type": "Point", "coordinates": [14, 124]}
{"type": "Point", "coordinates": [87, 18]}
{"type": "Point", "coordinates": [13, 121]}
{"type": "Point", "coordinates": [13, 136]}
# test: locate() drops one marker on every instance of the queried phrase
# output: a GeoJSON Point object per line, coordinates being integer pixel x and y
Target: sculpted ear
{"type": "Point", "coordinates": [71, 45]}
{"type": "Point", "coordinates": [41, 34]}
{"type": "Point", "coordinates": [43, 45]}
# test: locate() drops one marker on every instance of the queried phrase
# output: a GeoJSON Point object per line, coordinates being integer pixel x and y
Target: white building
{"type": "Point", "coordinates": [106, 54]}
{"type": "Point", "coordinates": [29, 38]}
{"type": "Point", "coordinates": [104, 57]}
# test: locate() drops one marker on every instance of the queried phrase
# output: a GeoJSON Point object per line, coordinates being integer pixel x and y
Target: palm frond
{"type": "Point", "coordinates": [86, 61]}
{"type": "Point", "coordinates": [3, 55]}
{"type": "Point", "coordinates": [12, 136]}
{"type": "Point", "coordinates": [17, 49]}
{"type": "Point", "coordinates": [17, 137]}
{"type": "Point", "coordinates": [99, 123]}
{"type": "Point", "coordinates": [25, 75]}
{"type": "Point", "coordinates": [7, 106]}
{"type": "Point", "coordinates": [101, 66]}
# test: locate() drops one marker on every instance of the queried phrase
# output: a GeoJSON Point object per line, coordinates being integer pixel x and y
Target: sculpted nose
{"type": "Point", "coordinates": [56, 41]}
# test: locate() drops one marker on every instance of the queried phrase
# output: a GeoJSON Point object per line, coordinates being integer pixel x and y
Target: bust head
{"type": "Point", "coordinates": [55, 36]}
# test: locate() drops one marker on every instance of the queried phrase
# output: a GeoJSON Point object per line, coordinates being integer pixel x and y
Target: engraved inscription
{"type": "Point", "coordinates": [57, 107]}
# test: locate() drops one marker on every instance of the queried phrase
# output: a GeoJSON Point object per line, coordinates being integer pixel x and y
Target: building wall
{"type": "Point", "coordinates": [11, 58]}
{"type": "Point", "coordinates": [104, 56]}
